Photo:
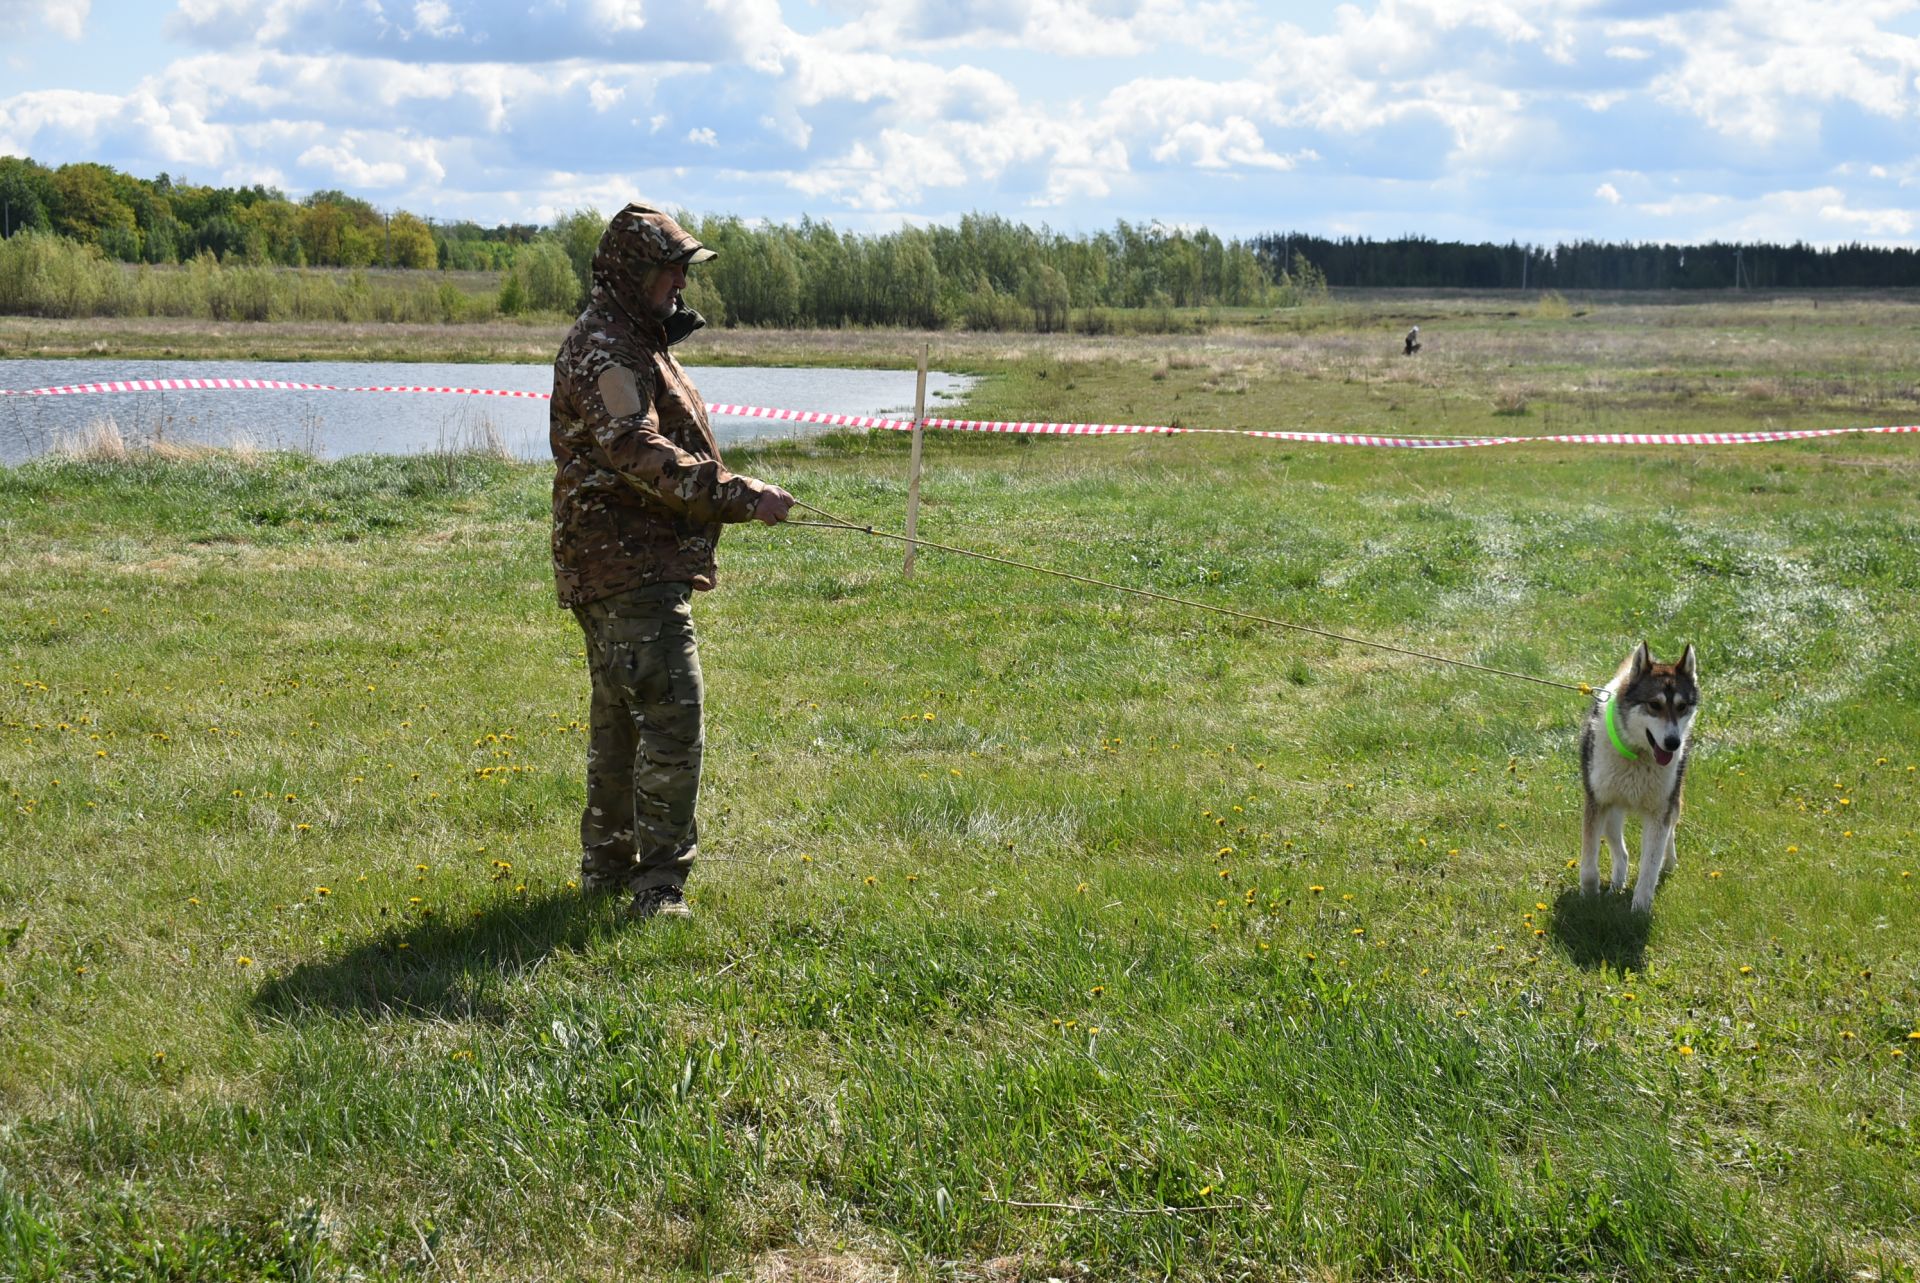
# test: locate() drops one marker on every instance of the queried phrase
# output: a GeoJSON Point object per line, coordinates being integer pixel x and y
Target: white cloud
{"type": "Point", "coordinates": [1760, 70]}
{"type": "Point", "coordinates": [66, 18]}
{"type": "Point", "coordinates": [1231, 144]}
{"type": "Point", "coordinates": [703, 137]}
{"type": "Point", "coordinates": [435, 18]}
{"type": "Point", "coordinates": [618, 15]}
{"type": "Point", "coordinates": [1608, 193]}
{"type": "Point", "coordinates": [603, 95]}
{"type": "Point", "coordinates": [375, 160]}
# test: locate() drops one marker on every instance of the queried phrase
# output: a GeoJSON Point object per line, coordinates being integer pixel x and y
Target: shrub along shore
{"type": "Point", "coordinates": [1038, 932]}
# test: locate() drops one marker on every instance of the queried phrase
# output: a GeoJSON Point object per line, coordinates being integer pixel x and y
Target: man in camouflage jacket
{"type": "Point", "coordinates": [639, 496]}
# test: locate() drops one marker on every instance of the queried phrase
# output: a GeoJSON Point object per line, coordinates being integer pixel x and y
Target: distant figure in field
{"type": "Point", "coordinates": [1413, 341]}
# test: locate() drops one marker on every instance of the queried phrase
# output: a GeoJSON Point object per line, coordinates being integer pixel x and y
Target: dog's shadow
{"type": "Point", "coordinates": [1601, 930]}
{"type": "Point", "coordinates": [440, 968]}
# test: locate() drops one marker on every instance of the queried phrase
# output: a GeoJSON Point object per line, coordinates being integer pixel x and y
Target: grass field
{"type": "Point", "coordinates": [1040, 933]}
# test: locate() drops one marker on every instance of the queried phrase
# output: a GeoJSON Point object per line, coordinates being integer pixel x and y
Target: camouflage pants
{"type": "Point", "coordinates": [643, 756]}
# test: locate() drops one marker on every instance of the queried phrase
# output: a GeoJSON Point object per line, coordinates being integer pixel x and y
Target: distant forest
{"type": "Point", "coordinates": [986, 272]}
{"type": "Point", "coordinates": [1418, 263]}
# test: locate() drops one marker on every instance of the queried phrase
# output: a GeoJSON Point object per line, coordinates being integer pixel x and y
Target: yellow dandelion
{"type": "Point", "coordinates": [243, 960]}
{"type": "Point", "coordinates": [871, 880]}
{"type": "Point", "coordinates": [805, 858]}
{"type": "Point", "coordinates": [1898, 1052]}
{"type": "Point", "coordinates": [323, 891]}
{"type": "Point", "coordinates": [1538, 932]}
{"type": "Point", "coordinates": [1572, 863]}
{"type": "Point", "coordinates": [1793, 850]}
{"type": "Point", "coordinates": [1226, 873]}
{"type": "Point", "coordinates": [1080, 888]}
{"type": "Point", "coordinates": [1224, 851]}
{"type": "Point", "coordinates": [1264, 946]}
{"type": "Point", "coordinates": [159, 1057]}
{"type": "Point", "coordinates": [291, 797]}
{"type": "Point", "coordinates": [1097, 990]}
{"type": "Point", "coordinates": [1714, 874]}
{"type": "Point", "coordinates": [1914, 1036]}
{"type": "Point", "coordinates": [913, 877]}
{"type": "Point", "coordinates": [303, 828]}
{"type": "Point", "coordinates": [413, 899]}
{"type": "Point", "coordinates": [419, 868]}
{"type": "Point", "coordinates": [1540, 905]}
{"type": "Point", "coordinates": [1315, 890]}
{"type": "Point", "coordinates": [1629, 997]}
{"type": "Point", "coordinates": [1359, 931]}
{"type": "Point", "coordinates": [1847, 1035]}
{"type": "Point", "coordinates": [1684, 1049]}
{"type": "Point", "coordinates": [1093, 1029]}
{"type": "Point", "coordinates": [193, 899]}
{"type": "Point", "coordinates": [1310, 957]}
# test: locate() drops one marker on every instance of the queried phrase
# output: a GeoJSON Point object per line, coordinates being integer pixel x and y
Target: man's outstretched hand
{"type": "Point", "coordinates": [772, 506]}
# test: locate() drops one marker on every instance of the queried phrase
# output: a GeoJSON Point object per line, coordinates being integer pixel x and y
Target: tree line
{"type": "Point", "coordinates": [1419, 263]}
{"type": "Point", "coordinates": [987, 272]}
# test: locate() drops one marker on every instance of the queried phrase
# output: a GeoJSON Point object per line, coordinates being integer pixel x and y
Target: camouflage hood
{"type": "Point", "coordinates": [638, 238]}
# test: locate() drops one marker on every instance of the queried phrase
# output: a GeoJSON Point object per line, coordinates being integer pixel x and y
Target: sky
{"type": "Point", "coordinates": [1508, 120]}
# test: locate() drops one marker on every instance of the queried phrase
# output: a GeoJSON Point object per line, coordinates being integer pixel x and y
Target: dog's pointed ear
{"type": "Point", "coordinates": [1640, 661]}
{"type": "Point", "coordinates": [1686, 664]}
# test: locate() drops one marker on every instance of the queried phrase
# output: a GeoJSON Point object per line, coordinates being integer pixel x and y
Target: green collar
{"type": "Point", "coordinates": [1613, 732]}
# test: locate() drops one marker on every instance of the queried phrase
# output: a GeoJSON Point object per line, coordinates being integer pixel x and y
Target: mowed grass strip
{"type": "Point", "coordinates": [1037, 930]}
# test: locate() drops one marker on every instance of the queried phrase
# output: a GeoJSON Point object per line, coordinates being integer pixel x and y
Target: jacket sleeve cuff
{"type": "Point", "coordinates": [745, 497]}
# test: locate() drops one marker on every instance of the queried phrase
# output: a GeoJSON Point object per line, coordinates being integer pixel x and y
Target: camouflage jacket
{"type": "Point", "coordinates": [639, 491]}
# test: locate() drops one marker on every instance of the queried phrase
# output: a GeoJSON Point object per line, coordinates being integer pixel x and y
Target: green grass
{"type": "Point", "coordinates": [1039, 931]}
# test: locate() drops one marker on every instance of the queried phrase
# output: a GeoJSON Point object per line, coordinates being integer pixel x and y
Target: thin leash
{"type": "Point", "coordinates": [836, 523]}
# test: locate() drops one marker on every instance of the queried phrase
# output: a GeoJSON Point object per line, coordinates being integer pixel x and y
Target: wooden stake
{"type": "Point", "coordinates": [913, 466]}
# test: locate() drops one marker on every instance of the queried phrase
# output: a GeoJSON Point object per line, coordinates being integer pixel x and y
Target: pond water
{"type": "Point", "coordinates": [330, 424]}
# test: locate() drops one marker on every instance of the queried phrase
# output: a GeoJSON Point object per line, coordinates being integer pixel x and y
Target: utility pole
{"type": "Point", "coordinates": [1737, 272]}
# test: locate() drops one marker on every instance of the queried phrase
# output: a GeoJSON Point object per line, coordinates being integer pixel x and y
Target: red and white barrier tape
{"type": "Point", "coordinates": [1008, 426]}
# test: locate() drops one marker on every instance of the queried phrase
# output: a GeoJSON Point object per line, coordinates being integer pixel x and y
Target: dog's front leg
{"type": "Point", "coordinates": [1617, 840]}
{"type": "Point", "coordinates": [1655, 835]}
{"type": "Point", "coordinates": [1590, 849]}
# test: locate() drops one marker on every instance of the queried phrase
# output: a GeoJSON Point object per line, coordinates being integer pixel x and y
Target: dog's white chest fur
{"type": "Point", "coordinates": [1643, 787]}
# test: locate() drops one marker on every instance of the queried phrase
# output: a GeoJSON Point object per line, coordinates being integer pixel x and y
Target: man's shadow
{"type": "Point", "coordinates": [1601, 930]}
{"type": "Point", "coordinates": [444, 968]}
